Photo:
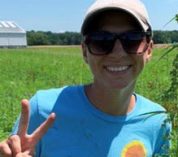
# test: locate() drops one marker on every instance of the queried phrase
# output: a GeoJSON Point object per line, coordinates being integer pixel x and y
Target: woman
{"type": "Point", "coordinates": [105, 118]}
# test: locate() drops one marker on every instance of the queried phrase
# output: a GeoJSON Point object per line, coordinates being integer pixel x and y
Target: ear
{"type": "Point", "coordinates": [149, 51]}
{"type": "Point", "coordinates": [84, 52]}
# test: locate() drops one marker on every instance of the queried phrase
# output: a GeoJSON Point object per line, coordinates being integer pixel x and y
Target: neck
{"type": "Point", "coordinates": [114, 101]}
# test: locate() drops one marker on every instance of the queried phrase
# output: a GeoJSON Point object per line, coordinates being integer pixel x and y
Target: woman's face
{"type": "Point", "coordinates": [118, 69]}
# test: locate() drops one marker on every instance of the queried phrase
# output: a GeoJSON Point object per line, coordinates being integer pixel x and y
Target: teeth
{"type": "Point", "coordinates": [117, 69]}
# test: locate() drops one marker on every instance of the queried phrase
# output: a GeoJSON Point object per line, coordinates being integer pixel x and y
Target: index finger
{"type": "Point", "coordinates": [24, 118]}
{"type": "Point", "coordinates": [42, 129]}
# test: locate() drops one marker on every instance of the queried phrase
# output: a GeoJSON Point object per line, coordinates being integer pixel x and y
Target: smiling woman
{"type": "Point", "coordinates": [105, 118]}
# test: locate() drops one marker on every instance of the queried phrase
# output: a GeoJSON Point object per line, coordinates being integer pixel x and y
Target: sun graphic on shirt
{"type": "Point", "coordinates": [134, 149]}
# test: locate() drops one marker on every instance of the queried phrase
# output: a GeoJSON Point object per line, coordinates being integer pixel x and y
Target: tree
{"type": "Point", "coordinates": [37, 38]}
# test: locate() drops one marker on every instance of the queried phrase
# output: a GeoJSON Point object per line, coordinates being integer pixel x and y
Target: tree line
{"type": "Point", "coordinates": [50, 38]}
{"type": "Point", "coordinates": [74, 38]}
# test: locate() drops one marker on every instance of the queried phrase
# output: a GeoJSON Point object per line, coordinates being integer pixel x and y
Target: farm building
{"type": "Point", "coordinates": [11, 35]}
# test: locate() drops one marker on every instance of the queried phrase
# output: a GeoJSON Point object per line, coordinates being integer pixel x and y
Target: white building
{"type": "Point", "coordinates": [11, 35]}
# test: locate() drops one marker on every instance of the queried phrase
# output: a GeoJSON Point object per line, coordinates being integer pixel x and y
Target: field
{"type": "Point", "coordinates": [24, 71]}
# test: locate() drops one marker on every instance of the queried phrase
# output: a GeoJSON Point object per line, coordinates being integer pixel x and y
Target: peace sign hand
{"type": "Point", "coordinates": [22, 144]}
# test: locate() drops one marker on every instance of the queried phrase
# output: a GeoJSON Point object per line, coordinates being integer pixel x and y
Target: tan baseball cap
{"type": "Point", "coordinates": [133, 7]}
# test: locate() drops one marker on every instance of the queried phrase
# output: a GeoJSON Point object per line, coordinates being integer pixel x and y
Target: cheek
{"type": "Point", "coordinates": [91, 62]}
{"type": "Point", "coordinates": [95, 64]}
{"type": "Point", "coordinates": [139, 63]}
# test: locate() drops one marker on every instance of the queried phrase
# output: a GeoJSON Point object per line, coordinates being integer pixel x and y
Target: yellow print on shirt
{"type": "Point", "coordinates": [134, 149]}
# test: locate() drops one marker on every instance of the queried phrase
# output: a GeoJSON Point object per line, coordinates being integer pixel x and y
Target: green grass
{"type": "Point", "coordinates": [156, 76]}
{"type": "Point", "coordinates": [24, 71]}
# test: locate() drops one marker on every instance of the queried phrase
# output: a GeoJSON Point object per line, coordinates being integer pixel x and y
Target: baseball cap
{"type": "Point", "coordinates": [133, 7]}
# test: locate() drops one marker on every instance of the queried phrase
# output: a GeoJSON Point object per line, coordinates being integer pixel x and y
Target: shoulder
{"type": "Point", "coordinates": [48, 96]}
{"type": "Point", "coordinates": [146, 105]}
{"type": "Point", "coordinates": [44, 101]}
{"type": "Point", "coordinates": [153, 113]}
{"type": "Point", "coordinates": [45, 98]}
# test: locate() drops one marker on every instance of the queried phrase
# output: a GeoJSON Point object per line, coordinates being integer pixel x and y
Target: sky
{"type": "Point", "coordinates": [67, 15]}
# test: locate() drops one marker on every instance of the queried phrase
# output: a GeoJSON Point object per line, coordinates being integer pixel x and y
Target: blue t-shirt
{"type": "Point", "coordinates": [82, 130]}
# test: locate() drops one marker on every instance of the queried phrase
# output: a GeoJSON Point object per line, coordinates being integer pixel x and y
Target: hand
{"type": "Point", "coordinates": [22, 144]}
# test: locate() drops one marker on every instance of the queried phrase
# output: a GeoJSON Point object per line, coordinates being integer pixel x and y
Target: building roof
{"type": "Point", "coordinates": [10, 27]}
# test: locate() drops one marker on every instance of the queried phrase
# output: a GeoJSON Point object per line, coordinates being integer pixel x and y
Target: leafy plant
{"type": "Point", "coordinates": [170, 95]}
{"type": "Point", "coordinates": [175, 18]}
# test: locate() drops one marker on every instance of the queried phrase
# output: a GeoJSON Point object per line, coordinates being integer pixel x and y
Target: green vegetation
{"type": "Point", "coordinates": [50, 38]}
{"type": "Point", "coordinates": [165, 36]}
{"type": "Point", "coordinates": [74, 38]}
{"type": "Point", "coordinates": [24, 71]}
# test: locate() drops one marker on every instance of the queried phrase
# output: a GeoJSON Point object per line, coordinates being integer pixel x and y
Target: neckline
{"type": "Point", "coordinates": [105, 116]}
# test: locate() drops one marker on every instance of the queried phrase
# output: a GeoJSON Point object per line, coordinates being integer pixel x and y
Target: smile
{"type": "Point", "coordinates": [117, 68]}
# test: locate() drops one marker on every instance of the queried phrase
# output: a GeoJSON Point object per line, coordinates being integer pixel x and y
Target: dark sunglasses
{"type": "Point", "coordinates": [102, 42]}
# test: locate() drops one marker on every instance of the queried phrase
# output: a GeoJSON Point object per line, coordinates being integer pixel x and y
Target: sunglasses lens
{"type": "Point", "coordinates": [134, 42]}
{"type": "Point", "coordinates": [100, 43]}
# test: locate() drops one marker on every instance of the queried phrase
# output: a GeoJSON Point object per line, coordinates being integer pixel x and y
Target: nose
{"type": "Point", "coordinates": [118, 49]}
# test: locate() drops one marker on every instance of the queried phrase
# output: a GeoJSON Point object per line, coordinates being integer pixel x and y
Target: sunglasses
{"type": "Point", "coordinates": [102, 42]}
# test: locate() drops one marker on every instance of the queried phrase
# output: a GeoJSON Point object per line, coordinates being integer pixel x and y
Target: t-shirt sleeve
{"type": "Point", "coordinates": [163, 143]}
